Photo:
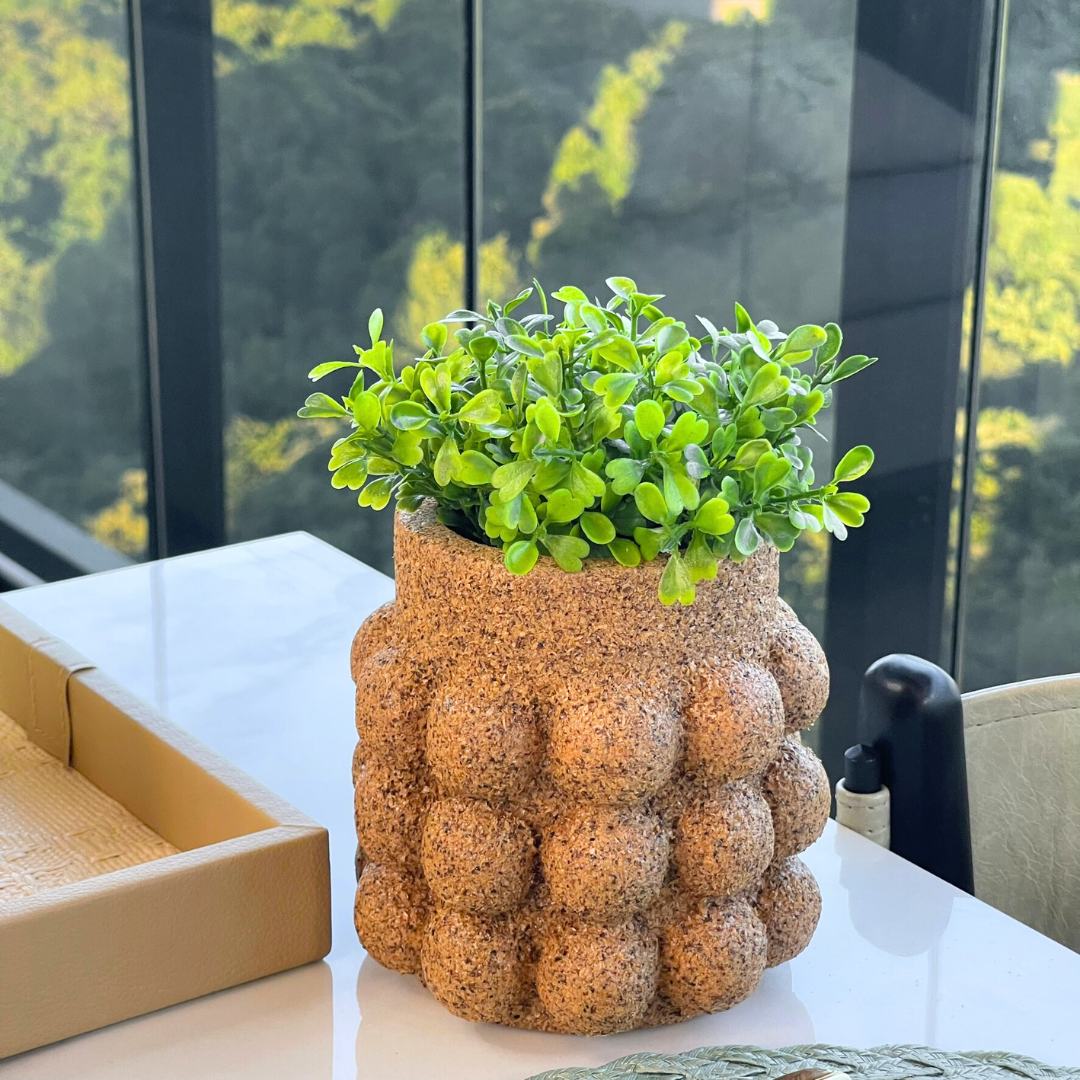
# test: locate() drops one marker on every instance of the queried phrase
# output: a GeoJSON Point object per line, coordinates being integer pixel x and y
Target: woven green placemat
{"type": "Point", "coordinates": [877, 1063]}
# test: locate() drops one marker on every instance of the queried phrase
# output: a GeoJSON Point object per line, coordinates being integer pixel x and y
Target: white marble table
{"type": "Point", "coordinates": [247, 647]}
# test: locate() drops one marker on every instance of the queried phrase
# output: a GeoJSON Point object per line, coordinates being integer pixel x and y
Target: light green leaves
{"type": "Point", "coordinates": [853, 464]}
{"type": "Point", "coordinates": [321, 405]}
{"type": "Point", "coordinates": [650, 419]}
{"type": "Point", "coordinates": [767, 385]}
{"type": "Point", "coordinates": [520, 557]}
{"type": "Point", "coordinates": [650, 503]}
{"type": "Point", "coordinates": [712, 517]}
{"type": "Point", "coordinates": [567, 551]}
{"type": "Point", "coordinates": [485, 408]}
{"type": "Point", "coordinates": [611, 432]}
{"type": "Point", "coordinates": [625, 474]}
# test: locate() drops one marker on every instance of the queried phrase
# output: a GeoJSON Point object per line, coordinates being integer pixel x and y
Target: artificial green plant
{"type": "Point", "coordinates": [613, 432]}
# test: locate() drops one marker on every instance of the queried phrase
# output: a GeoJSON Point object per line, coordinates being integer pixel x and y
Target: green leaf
{"type": "Point", "coordinates": [350, 476]}
{"type": "Point", "coordinates": [407, 448]}
{"type": "Point", "coordinates": [593, 318]}
{"type": "Point", "coordinates": [851, 499]}
{"type": "Point", "coordinates": [475, 469]}
{"type": "Point", "coordinates": [723, 441]}
{"type": "Point", "coordinates": [769, 472]}
{"type": "Point", "coordinates": [367, 411]}
{"type": "Point", "coordinates": [377, 493]}
{"type": "Point", "coordinates": [621, 352]}
{"type": "Point", "coordinates": [804, 338]}
{"type": "Point", "coordinates": [675, 583]}
{"type": "Point", "coordinates": [548, 420]}
{"type": "Point", "coordinates": [853, 464]}
{"type": "Point", "coordinates": [747, 537]}
{"type": "Point", "coordinates": [766, 385]}
{"type": "Point", "coordinates": [434, 336]}
{"type": "Point", "coordinates": [597, 527]}
{"type": "Point", "coordinates": [743, 322]}
{"type": "Point", "coordinates": [520, 343]}
{"type": "Point", "coordinates": [749, 452]}
{"type": "Point", "coordinates": [375, 325]}
{"type": "Point", "coordinates": [700, 561]}
{"type": "Point", "coordinates": [513, 478]}
{"type": "Point", "coordinates": [688, 429]}
{"type": "Point", "coordinates": [483, 347]}
{"type": "Point", "coordinates": [649, 542]}
{"type": "Point", "coordinates": [729, 489]}
{"type": "Point", "coordinates": [321, 405]}
{"type": "Point", "coordinates": [650, 419]}
{"type": "Point", "coordinates": [616, 388]}
{"type": "Point", "coordinates": [697, 464]}
{"type": "Point", "coordinates": [320, 370]}
{"type": "Point", "coordinates": [520, 557]}
{"type": "Point", "coordinates": [585, 484]}
{"type": "Point", "coordinates": [447, 462]}
{"type": "Point", "coordinates": [833, 522]}
{"type": "Point", "coordinates": [713, 517]}
{"type": "Point", "coordinates": [563, 507]}
{"type": "Point", "coordinates": [848, 512]}
{"type": "Point", "coordinates": [485, 408]}
{"type": "Point", "coordinates": [569, 294]}
{"type": "Point", "coordinates": [567, 551]}
{"type": "Point", "coordinates": [407, 415]}
{"type": "Point", "coordinates": [622, 286]}
{"type": "Point", "coordinates": [778, 528]}
{"type": "Point", "coordinates": [671, 337]}
{"type": "Point", "coordinates": [834, 338]}
{"type": "Point", "coordinates": [850, 366]}
{"type": "Point", "coordinates": [650, 502]}
{"type": "Point", "coordinates": [547, 371]}
{"type": "Point", "coordinates": [625, 552]}
{"type": "Point", "coordinates": [518, 300]}
{"type": "Point", "coordinates": [625, 474]}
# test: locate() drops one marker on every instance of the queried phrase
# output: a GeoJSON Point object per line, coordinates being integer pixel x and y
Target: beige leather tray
{"type": "Point", "coordinates": [157, 874]}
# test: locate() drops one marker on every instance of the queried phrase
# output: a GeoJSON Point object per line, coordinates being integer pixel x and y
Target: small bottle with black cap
{"type": "Point", "coordinates": [862, 800]}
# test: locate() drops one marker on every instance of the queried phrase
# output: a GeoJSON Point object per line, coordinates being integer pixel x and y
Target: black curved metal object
{"type": "Point", "coordinates": [911, 714]}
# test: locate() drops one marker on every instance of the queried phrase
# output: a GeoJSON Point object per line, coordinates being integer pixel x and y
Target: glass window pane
{"type": "Point", "coordinates": [698, 146]}
{"type": "Point", "coordinates": [340, 178]}
{"type": "Point", "coordinates": [1022, 587]}
{"type": "Point", "coordinates": [70, 396]}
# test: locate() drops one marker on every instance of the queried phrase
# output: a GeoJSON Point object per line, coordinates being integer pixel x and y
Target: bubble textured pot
{"type": "Point", "coordinates": [578, 810]}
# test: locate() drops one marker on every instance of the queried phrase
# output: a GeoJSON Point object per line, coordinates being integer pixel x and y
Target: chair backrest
{"type": "Point", "coordinates": [1023, 761]}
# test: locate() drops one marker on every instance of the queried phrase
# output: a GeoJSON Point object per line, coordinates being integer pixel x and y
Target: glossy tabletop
{"type": "Point", "coordinates": [247, 647]}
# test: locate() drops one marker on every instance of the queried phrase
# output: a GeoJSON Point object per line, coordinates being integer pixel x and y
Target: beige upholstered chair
{"type": "Point", "coordinates": [1023, 758]}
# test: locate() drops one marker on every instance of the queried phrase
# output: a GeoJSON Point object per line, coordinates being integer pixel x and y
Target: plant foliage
{"type": "Point", "coordinates": [614, 432]}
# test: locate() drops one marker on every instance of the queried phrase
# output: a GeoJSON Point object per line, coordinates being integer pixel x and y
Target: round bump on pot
{"type": "Point", "coordinates": [724, 842]}
{"type": "Point", "coordinates": [388, 807]}
{"type": "Point", "coordinates": [375, 632]}
{"type": "Point", "coordinates": [713, 957]}
{"type": "Point", "coordinates": [612, 744]}
{"type": "Point", "coordinates": [600, 860]}
{"type": "Point", "coordinates": [798, 664]}
{"type": "Point", "coordinates": [789, 905]}
{"type": "Point", "coordinates": [596, 979]}
{"type": "Point", "coordinates": [390, 707]}
{"type": "Point", "coordinates": [796, 788]}
{"type": "Point", "coordinates": [475, 858]}
{"type": "Point", "coordinates": [734, 721]}
{"type": "Point", "coordinates": [472, 965]}
{"type": "Point", "coordinates": [482, 739]}
{"type": "Point", "coordinates": [391, 909]}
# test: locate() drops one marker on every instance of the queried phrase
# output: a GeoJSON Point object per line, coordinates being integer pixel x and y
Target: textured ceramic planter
{"type": "Point", "coordinates": [581, 811]}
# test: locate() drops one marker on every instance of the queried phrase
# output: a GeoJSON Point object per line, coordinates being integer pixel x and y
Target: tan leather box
{"type": "Point", "coordinates": [137, 868]}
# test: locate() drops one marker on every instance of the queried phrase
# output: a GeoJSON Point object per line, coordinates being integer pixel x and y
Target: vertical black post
{"type": "Point", "coordinates": [917, 157]}
{"type": "Point", "coordinates": [473, 148]}
{"type": "Point", "coordinates": [910, 713]}
{"type": "Point", "coordinates": [172, 66]}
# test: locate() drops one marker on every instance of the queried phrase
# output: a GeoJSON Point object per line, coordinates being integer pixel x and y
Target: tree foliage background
{"type": "Point", "coordinates": [698, 145]}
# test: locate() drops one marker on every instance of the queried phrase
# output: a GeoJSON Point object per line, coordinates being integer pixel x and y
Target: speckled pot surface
{"type": "Point", "coordinates": [581, 811]}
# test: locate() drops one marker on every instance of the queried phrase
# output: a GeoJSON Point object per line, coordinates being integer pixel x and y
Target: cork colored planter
{"type": "Point", "coordinates": [580, 811]}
